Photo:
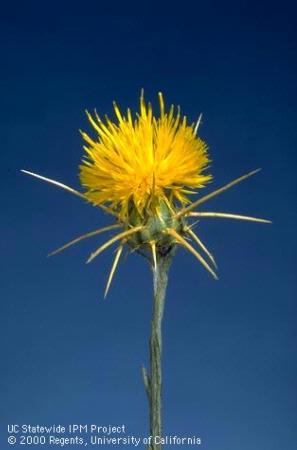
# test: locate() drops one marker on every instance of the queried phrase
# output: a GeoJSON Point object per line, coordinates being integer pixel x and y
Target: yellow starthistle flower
{"type": "Point", "coordinates": [141, 170]}
{"type": "Point", "coordinates": [143, 162]}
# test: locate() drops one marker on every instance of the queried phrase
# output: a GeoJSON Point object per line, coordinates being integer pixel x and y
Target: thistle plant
{"type": "Point", "coordinates": [142, 171]}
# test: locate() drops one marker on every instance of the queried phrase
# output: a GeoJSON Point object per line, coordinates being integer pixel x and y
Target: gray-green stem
{"type": "Point", "coordinates": [153, 379]}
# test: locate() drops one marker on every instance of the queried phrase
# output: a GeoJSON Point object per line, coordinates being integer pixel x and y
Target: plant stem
{"type": "Point", "coordinates": [153, 380]}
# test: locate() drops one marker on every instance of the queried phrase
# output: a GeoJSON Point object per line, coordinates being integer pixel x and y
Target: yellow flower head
{"type": "Point", "coordinates": [140, 170]}
{"type": "Point", "coordinates": [139, 163]}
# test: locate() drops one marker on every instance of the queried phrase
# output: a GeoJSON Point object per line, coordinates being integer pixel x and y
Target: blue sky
{"type": "Point", "coordinates": [229, 346]}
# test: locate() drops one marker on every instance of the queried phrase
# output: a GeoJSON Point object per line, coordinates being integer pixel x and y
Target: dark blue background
{"type": "Point", "coordinates": [230, 346]}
